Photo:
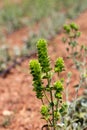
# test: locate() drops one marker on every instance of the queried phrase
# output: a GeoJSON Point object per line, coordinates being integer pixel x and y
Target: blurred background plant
{"type": "Point", "coordinates": [77, 112]}
{"type": "Point", "coordinates": [16, 14]}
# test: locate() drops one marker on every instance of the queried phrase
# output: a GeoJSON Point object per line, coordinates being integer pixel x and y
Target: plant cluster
{"type": "Point", "coordinates": [14, 16]}
{"type": "Point", "coordinates": [11, 17]}
{"type": "Point", "coordinates": [50, 94]}
{"type": "Point", "coordinates": [59, 115]}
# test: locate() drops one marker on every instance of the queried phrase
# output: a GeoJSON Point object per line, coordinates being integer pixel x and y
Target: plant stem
{"type": "Point", "coordinates": [52, 109]}
{"type": "Point", "coordinates": [46, 96]}
{"type": "Point", "coordinates": [42, 101]}
{"type": "Point", "coordinates": [51, 97]}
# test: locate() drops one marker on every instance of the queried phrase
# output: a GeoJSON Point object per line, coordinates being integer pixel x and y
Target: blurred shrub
{"type": "Point", "coordinates": [13, 15]}
{"type": "Point", "coordinates": [10, 16]}
{"type": "Point", "coordinates": [50, 16]}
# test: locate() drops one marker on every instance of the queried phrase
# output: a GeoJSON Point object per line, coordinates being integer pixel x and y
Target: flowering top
{"type": "Point", "coordinates": [36, 72]}
{"type": "Point", "coordinates": [49, 93]}
{"type": "Point", "coordinates": [43, 56]}
{"type": "Point", "coordinates": [59, 65]}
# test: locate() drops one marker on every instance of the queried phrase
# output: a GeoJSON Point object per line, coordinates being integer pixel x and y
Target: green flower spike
{"type": "Point", "coordinates": [58, 86]}
{"type": "Point", "coordinates": [43, 56]}
{"type": "Point", "coordinates": [45, 112]}
{"type": "Point", "coordinates": [36, 73]}
{"type": "Point", "coordinates": [58, 95]}
{"type": "Point", "coordinates": [59, 65]}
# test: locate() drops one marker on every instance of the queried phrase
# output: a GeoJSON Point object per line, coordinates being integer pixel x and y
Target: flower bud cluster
{"type": "Point", "coordinates": [58, 86]}
{"type": "Point", "coordinates": [45, 112]}
{"type": "Point", "coordinates": [59, 65]}
{"type": "Point", "coordinates": [37, 81]}
{"type": "Point", "coordinates": [72, 30]}
{"type": "Point", "coordinates": [43, 56]}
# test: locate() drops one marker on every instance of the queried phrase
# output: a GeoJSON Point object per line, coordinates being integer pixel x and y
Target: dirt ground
{"type": "Point", "coordinates": [19, 108]}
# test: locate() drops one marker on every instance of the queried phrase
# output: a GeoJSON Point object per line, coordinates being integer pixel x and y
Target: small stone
{"type": "Point", "coordinates": [7, 113]}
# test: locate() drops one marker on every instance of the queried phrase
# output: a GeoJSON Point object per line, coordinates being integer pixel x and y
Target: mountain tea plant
{"type": "Point", "coordinates": [61, 115]}
{"type": "Point", "coordinates": [53, 108]}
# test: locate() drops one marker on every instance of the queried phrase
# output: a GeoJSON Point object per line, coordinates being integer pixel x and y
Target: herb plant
{"type": "Point", "coordinates": [58, 114]}
{"type": "Point", "coordinates": [50, 93]}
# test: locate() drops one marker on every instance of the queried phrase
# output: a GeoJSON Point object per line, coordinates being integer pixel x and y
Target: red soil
{"type": "Point", "coordinates": [16, 96]}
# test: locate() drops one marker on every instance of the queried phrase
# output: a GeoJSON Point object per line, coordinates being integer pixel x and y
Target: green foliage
{"type": "Point", "coordinates": [14, 16]}
{"type": "Point", "coordinates": [11, 17]}
{"type": "Point", "coordinates": [63, 109]}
